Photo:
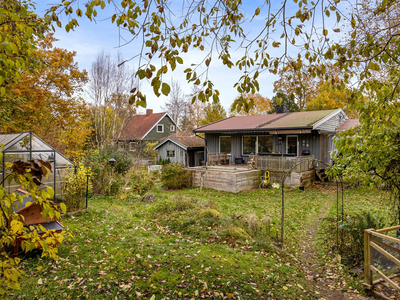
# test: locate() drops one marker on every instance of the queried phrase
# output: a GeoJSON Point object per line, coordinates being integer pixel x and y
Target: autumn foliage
{"type": "Point", "coordinates": [50, 107]}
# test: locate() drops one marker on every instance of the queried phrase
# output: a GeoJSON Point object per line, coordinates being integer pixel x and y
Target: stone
{"type": "Point", "coordinates": [149, 198]}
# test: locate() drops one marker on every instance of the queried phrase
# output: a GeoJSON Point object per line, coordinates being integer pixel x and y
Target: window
{"type": "Point", "coordinates": [160, 128]}
{"type": "Point", "coordinates": [172, 128]}
{"type": "Point", "coordinates": [225, 144]}
{"type": "Point", "coordinates": [132, 146]}
{"type": "Point", "coordinates": [265, 144]}
{"type": "Point", "coordinates": [261, 143]}
{"type": "Point", "coordinates": [170, 153]}
{"type": "Point", "coordinates": [249, 144]}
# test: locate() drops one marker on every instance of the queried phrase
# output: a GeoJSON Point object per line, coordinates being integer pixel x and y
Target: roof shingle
{"type": "Point", "coordinates": [138, 126]}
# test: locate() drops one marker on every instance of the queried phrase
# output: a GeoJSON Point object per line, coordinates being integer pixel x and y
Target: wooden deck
{"type": "Point", "coordinates": [226, 178]}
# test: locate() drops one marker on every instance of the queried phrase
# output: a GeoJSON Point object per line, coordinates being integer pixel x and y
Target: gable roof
{"type": "Point", "coordinates": [350, 123]}
{"type": "Point", "coordinates": [140, 125]}
{"type": "Point", "coordinates": [183, 141]}
{"type": "Point", "coordinates": [294, 120]}
{"type": "Point", "coordinates": [302, 119]}
{"type": "Point", "coordinates": [239, 123]}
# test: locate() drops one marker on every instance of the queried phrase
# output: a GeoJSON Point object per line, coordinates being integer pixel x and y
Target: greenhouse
{"type": "Point", "coordinates": [25, 146]}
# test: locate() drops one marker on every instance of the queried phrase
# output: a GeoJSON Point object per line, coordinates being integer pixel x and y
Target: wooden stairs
{"type": "Point", "coordinates": [321, 175]}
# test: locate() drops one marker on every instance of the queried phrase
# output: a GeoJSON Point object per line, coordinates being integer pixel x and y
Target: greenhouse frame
{"type": "Point", "coordinates": [25, 146]}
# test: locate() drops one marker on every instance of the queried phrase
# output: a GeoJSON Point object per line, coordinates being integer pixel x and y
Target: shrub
{"type": "Point", "coordinates": [352, 230]}
{"type": "Point", "coordinates": [107, 179]}
{"type": "Point", "coordinates": [175, 176]}
{"type": "Point", "coordinates": [140, 181]}
{"type": "Point", "coordinates": [74, 187]}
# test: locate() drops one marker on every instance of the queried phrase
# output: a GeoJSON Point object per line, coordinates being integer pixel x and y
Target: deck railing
{"type": "Point", "coordinates": [282, 163]}
{"type": "Point", "coordinates": [217, 159]}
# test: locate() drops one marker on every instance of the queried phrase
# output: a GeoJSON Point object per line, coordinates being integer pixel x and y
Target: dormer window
{"type": "Point", "coordinates": [172, 128]}
{"type": "Point", "coordinates": [160, 128]}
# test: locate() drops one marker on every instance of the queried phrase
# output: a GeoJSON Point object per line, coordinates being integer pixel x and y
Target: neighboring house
{"type": "Point", "coordinates": [184, 149]}
{"type": "Point", "coordinates": [150, 127]}
{"type": "Point", "coordinates": [281, 134]}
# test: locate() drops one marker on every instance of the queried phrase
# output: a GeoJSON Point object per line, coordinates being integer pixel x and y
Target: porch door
{"type": "Point", "coordinates": [191, 158]}
{"type": "Point", "coordinates": [291, 144]}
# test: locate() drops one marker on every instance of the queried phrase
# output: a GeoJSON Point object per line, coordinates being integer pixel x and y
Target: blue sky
{"type": "Point", "coordinates": [90, 38]}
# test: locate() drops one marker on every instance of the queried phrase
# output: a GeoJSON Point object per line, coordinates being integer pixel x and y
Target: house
{"type": "Point", "coordinates": [150, 127]}
{"type": "Point", "coordinates": [182, 148]}
{"type": "Point", "coordinates": [284, 134]}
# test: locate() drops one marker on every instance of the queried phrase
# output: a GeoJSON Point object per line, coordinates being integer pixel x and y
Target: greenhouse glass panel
{"type": "Point", "coordinates": [23, 143]}
{"type": "Point", "coordinates": [7, 139]}
{"type": "Point", "coordinates": [38, 144]}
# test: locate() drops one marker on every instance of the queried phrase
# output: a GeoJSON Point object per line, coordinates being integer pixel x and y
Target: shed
{"type": "Point", "coordinates": [184, 149]}
{"type": "Point", "coordinates": [25, 146]}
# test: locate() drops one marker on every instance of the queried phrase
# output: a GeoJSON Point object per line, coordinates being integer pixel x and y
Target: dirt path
{"type": "Point", "coordinates": [322, 280]}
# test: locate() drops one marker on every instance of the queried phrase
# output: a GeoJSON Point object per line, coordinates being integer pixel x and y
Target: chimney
{"type": "Point", "coordinates": [281, 109]}
{"type": "Point", "coordinates": [149, 112]}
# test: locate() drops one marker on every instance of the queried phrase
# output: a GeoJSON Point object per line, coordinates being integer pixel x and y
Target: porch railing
{"type": "Point", "coordinates": [282, 163]}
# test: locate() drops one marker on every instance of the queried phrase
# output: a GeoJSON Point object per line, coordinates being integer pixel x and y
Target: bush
{"type": "Point", "coordinates": [108, 179]}
{"type": "Point", "coordinates": [175, 176]}
{"type": "Point", "coordinates": [140, 181]}
{"type": "Point", "coordinates": [352, 229]}
{"type": "Point", "coordinates": [74, 187]}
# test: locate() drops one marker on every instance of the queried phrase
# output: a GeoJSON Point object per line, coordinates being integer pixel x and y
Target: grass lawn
{"type": "Point", "coordinates": [187, 244]}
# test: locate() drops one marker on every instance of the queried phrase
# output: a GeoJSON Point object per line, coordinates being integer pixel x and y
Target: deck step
{"type": "Point", "coordinates": [321, 175]}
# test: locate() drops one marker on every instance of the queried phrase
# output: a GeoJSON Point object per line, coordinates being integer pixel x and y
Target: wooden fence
{"type": "Point", "coordinates": [377, 240]}
{"type": "Point", "coordinates": [281, 163]}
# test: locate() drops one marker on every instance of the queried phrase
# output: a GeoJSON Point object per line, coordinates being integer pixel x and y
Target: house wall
{"type": "Point", "coordinates": [153, 135]}
{"type": "Point", "coordinates": [310, 142]}
{"type": "Point", "coordinates": [332, 123]}
{"type": "Point", "coordinates": [180, 154]}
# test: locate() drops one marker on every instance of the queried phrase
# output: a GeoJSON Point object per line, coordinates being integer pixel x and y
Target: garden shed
{"type": "Point", "coordinates": [25, 146]}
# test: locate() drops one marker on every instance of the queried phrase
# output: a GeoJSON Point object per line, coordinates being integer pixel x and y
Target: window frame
{"type": "Point", "coordinates": [256, 144]}
{"type": "Point", "coordinates": [172, 128]}
{"type": "Point", "coordinates": [162, 128]}
{"type": "Point", "coordinates": [173, 153]}
{"type": "Point", "coordinates": [132, 149]}
{"type": "Point", "coordinates": [219, 141]}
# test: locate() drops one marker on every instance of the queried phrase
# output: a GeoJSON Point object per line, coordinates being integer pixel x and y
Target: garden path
{"type": "Point", "coordinates": [323, 279]}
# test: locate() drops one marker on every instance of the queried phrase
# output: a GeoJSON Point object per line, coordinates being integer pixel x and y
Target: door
{"type": "Point", "coordinates": [191, 159]}
{"type": "Point", "coordinates": [291, 144]}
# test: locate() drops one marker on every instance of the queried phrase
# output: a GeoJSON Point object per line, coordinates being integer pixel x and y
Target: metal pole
{"type": "Point", "coordinates": [87, 189]}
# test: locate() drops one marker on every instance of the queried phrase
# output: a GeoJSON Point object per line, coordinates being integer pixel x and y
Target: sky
{"type": "Point", "coordinates": [90, 38]}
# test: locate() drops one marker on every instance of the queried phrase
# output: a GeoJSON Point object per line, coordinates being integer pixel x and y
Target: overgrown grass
{"type": "Point", "coordinates": [187, 244]}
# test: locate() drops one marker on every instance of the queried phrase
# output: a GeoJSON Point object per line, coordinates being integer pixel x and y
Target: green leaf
{"type": "Point", "coordinates": [63, 207]}
{"type": "Point", "coordinates": [165, 89]}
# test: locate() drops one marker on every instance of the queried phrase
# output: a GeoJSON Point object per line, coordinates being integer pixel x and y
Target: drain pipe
{"type": "Point", "coordinates": [205, 145]}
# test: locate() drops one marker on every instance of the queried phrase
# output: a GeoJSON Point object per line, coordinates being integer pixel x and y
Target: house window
{"type": "Point", "coordinates": [265, 144]}
{"type": "Point", "coordinates": [121, 145]}
{"type": "Point", "coordinates": [172, 128]}
{"type": "Point", "coordinates": [160, 128]}
{"type": "Point", "coordinates": [225, 144]}
{"type": "Point", "coordinates": [249, 144]}
{"type": "Point", "coordinates": [132, 146]}
{"type": "Point", "coordinates": [170, 153]}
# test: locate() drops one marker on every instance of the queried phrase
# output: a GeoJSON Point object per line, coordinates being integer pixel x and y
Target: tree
{"type": "Point", "coordinates": [281, 99]}
{"type": "Point", "coordinates": [292, 28]}
{"type": "Point", "coordinates": [213, 113]}
{"type": "Point", "coordinates": [175, 104]}
{"type": "Point", "coordinates": [108, 89]}
{"type": "Point", "coordinates": [50, 107]}
{"type": "Point", "coordinates": [329, 97]}
{"type": "Point", "coordinates": [259, 105]}
{"type": "Point", "coordinates": [20, 27]}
